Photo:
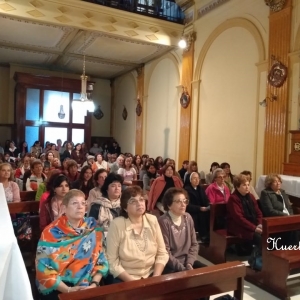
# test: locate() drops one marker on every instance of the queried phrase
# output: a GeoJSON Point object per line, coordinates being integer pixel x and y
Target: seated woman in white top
{"type": "Point", "coordinates": [36, 177]}
{"type": "Point", "coordinates": [128, 172]}
{"type": "Point", "coordinates": [11, 189]}
{"type": "Point", "coordinates": [135, 246]}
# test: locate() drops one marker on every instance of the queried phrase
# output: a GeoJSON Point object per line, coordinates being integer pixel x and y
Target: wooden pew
{"type": "Point", "coordinates": [138, 182]}
{"type": "Point", "coordinates": [278, 264]}
{"type": "Point", "coordinates": [29, 246]}
{"type": "Point", "coordinates": [27, 195]}
{"type": "Point", "coordinates": [186, 285]}
{"type": "Point", "coordinates": [26, 207]}
{"type": "Point", "coordinates": [219, 238]}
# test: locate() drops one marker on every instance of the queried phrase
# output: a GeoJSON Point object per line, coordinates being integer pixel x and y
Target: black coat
{"type": "Point", "coordinates": [198, 199]}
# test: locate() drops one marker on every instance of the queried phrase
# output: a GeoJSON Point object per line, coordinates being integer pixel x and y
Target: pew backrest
{"type": "Point", "coordinates": [191, 284]}
{"type": "Point", "coordinates": [277, 225]}
{"type": "Point", "coordinates": [27, 195]}
{"type": "Point", "coordinates": [23, 206]}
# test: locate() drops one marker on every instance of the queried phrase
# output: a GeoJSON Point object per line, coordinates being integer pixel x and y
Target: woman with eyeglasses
{"type": "Point", "coordinates": [70, 256]}
{"type": "Point", "coordinates": [104, 209]}
{"type": "Point", "coordinates": [218, 192]}
{"type": "Point", "coordinates": [178, 232]}
{"type": "Point", "coordinates": [51, 209]}
{"type": "Point", "coordinates": [135, 246]}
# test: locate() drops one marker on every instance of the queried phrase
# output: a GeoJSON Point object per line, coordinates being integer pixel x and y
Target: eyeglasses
{"type": "Point", "coordinates": [134, 201]}
{"type": "Point", "coordinates": [181, 201]}
{"type": "Point", "coordinates": [76, 203]}
{"type": "Point", "coordinates": [221, 177]}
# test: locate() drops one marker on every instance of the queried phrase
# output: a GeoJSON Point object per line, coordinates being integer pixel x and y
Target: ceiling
{"type": "Point", "coordinates": [113, 43]}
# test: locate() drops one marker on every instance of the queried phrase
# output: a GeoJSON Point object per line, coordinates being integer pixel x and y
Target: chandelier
{"type": "Point", "coordinates": [84, 103]}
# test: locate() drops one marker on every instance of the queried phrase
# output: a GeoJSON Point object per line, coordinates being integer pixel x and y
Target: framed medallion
{"type": "Point", "coordinates": [98, 113]}
{"type": "Point", "coordinates": [139, 108]}
{"type": "Point", "coordinates": [124, 114]}
{"type": "Point", "coordinates": [277, 74]}
{"type": "Point", "coordinates": [184, 98]}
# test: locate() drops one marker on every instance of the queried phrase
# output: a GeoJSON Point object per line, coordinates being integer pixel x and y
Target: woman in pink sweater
{"type": "Point", "coordinates": [218, 192]}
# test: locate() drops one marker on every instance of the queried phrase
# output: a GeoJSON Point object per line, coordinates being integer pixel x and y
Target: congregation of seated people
{"type": "Point", "coordinates": [91, 197]}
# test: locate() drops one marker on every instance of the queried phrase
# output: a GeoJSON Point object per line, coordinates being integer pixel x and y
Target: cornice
{"type": "Point", "coordinates": [209, 7]}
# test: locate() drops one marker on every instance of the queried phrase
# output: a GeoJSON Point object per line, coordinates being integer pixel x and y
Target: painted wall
{"type": "Point", "coordinates": [227, 111]}
{"type": "Point", "coordinates": [162, 107]}
{"type": "Point", "coordinates": [125, 96]}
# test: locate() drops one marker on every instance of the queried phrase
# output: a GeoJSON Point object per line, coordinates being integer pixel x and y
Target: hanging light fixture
{"type": "Point", "coordinates": [84, 102]}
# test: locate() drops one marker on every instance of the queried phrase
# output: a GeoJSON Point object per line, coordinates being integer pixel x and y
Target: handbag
{"type": "Point", "coordinates": [22, 228]}
{"type": "Point", "coordinates": [255, 260]}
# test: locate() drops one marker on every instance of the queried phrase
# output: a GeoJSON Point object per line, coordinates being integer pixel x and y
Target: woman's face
{"type": "Point", "coordinates": [99, 158]}
{"type": "Point", "coordinates": [136, 206]}
{"type": "Point", "coordinates": [152, 170]}
{"type": "Point", "coordinates": [61, 190]}
{"type": "Point", "coordinates": [226, 169]}
{"type": "Point", "coordinates": [26, 162]}
{"type": "Point", "coordinates": [194, 168]}
{"type": "Point", "coordinates": [114, 190]}
{"type": "Point", "coordinates": [11, 145]}
{"type": "Point", "coordinates": [5, 172]}
{"type": "Point", "coordinates": [6, 157]}
{"type": "Point", "coordinates": [50, 156]}
{"type": "Point", "coordinates": [69, 146]}
{"type": "Point", "coordinates": [46, 171]}
{"type": "Point", "coordinates": [83, 145]}
{"type": "Point", "coordinates": [138, 160]}
{"type": "Point", "coordinates": [128, 162]}
{"type": "Point", "coordinates": [73, 170]}
{"type": "Point", "coordinates": [276, 184]}
{"type": "Point", "coordinates": [37, 169]}
{"type": "Point", "coordinates": [56, 162]}
{"type": "Point", "coordinates": [169, 172]}
{"type": "Point", "coordinates": [53, 147]}
{"type": "Point", "coordinates": [213, 168]}
{"type": "Point", "coordinates": [87, 174]}
{"type": "Point", "coordinates": [178, 205]}
{"type": "Point", "coordinates": [195, 180]}
{"type": "Point", "coordinates": [101, 178]}
{"type": "Point", "coordinates": [76, 207]}
{"type": "Point", "coordinates": [220, 178]}
{"type": "Point", "coordinates": [78, 147]}
{"type": "Point", "coordinates": [160, 160]}
{"type": "Point", "coordinates": [243, 189]}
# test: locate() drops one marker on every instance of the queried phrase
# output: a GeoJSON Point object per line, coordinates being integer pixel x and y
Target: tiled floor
{"type": "Point", "coordinates": [251, 292]}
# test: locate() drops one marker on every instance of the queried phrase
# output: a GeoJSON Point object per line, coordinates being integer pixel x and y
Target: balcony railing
{"type": "Point", "coordinates": [162, 9]}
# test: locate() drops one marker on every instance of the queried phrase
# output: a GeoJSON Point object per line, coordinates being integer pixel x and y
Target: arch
{"type": "Point", "coordinates": [153, 66]}
{"type": "Point", "coordinates": [235, 22]}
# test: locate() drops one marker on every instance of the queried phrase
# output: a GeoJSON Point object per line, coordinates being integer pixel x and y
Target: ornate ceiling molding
{"type": "Point", "coordinates": [209, 7]}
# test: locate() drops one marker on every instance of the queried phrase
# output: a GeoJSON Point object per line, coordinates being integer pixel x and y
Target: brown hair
{"type": "Point", "coordinates": [11, 178]}
{"type": "Point", "coordinates": [130, 192]}
{"type": "Point", "coordinates": [238, 180]}
{"type": "Point", "coordinates": [34, 163]}
{"type": "Point", "coordinates": [169, 196]}
{"type": "Point", "coordinates": [270, 179]}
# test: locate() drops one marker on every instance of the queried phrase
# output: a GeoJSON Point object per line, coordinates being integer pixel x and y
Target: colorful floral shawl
{"type": "Point", "coordinates": [70, 255]}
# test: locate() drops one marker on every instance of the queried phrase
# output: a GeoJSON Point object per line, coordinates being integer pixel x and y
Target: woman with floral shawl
{"type": "Point", "coordinates": [69, 254]}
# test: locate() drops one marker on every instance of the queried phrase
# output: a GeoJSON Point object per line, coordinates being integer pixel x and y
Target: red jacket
{"type": "Point", "coordinates": [237, 224]}
{"type": "Point", "coordinates": [46, 215]}
{"type": "Point", "coordinates": [215, 195]}
{"type": "Point", "coordinates": [157, 187]}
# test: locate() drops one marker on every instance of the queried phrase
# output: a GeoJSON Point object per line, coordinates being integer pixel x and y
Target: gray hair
{"type": "Point", "coordinates": [216, 172]}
